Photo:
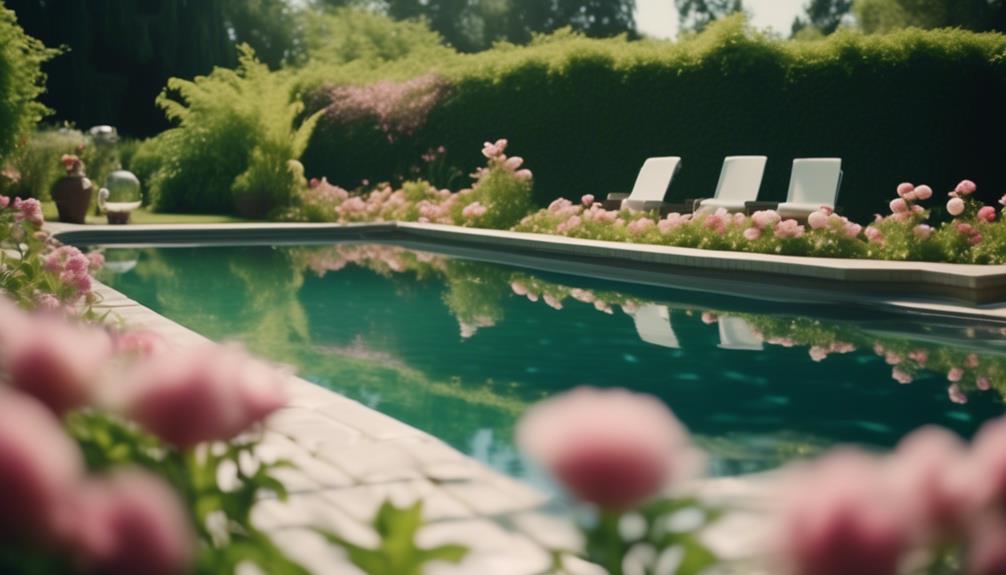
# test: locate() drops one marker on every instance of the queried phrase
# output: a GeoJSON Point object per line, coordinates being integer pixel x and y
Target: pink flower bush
{"type": "Point", "coordinates": [29, 211]}
{"type": "Point", "coordinates": [955, 206]}
{"type": "Point", "coordinates": [56, 362]}
{"type": "Point", "coordinates": [39, 465]}
{"type": "Point", "coordinates": [836, 521]}
{"type": "Point", "coordinates": [203, 394]}
{"type": "Point", "coordinates": [131, 522]}
{"type": "Point", "coordinates": [611, 448]}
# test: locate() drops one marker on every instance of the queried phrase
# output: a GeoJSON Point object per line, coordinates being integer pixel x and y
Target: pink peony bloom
{"type": "Point", "coordinates": [989, 459]}
{"type": "Point", "coordinates": [131, 522]}
{"type": "Point", "coordinates": [518, 288]}
{"type": "Point", "coordinates": [95, 260]}
{"type": "Point", "coordinates": [765, 218]}
{"type": "Point", "coordinates": [892, 358]}
{"type": "Point", "coordinates": [752, 234]}
{"type": "Point", "coordinates": [922, 231]}
{"type": "Point", "coordinates": [966, 188]}
{"type": "Point", "coordinates": [587, 200]}
{"type": "Point", "coordinates": [205, 393]}
{"type": "Point", "coordinates": [524, 175]}
{"type": "Point", "coordinates": [987, 213]}
{"type": "Point", "coordinates": [919, 356]}
{"type": "Point", "coordinates": [818, 219]}
{"type": "Point", "coordinates": [29, 210]}
{"type": "Point", "coordinates": [581, 295]}
{"type": "Point", "coordinates": [551, 301]}
{"type": "Point", "coordinates": [955, 375]}
{"type": "Point", "coordinates": [955, 206]}
{"type": "Point", "coordinates": [1002, 200]}
{"type": "Point", "coordinates": [789, 229]}
{"type": "Point", "coordinates": [923, 193]}
{"type": "Point", "coordinates": [56, 362]}
{"type": "Point", "coordinates": [513, 163]}
{"type": "Point", "coordinates": [640, 226]}
{"type": "Point", "coordinates": [612, 448]}
{"type": "Point", "coordinates": [709, 318]}
{"type": "Point", "coordinates": [851, 229]}
{"type": "Point", "coordinates": [873, 235]}
{"type": "Point", "coordinates": [904, 189]}
{"type": "Point", "coordinates": [899, 206]}
{"type": "Point", "coordinates": [931, 480]}
{"type": "Point", "coordinates": [987, 555]}
{"type": "Point", "coordinates": [473, 210]}
{"type": "Point", "coordinates": [975, 239]}
{"type": "Point", "coordinates": [901, 376]}
{"type": "Point", "coordinates": [837, 520]}
{"type": "Point", "coordinates": [4, 201]}
{"type": "Point", "coordinates": [818, 353]}
{"type": "Point", "coordinates": [39, 465]}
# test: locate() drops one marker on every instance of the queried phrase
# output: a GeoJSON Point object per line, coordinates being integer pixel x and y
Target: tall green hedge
{"type": "Point", "coordinates": [922, 106]}
{"type": "Point", "coordinates": [21, 80]}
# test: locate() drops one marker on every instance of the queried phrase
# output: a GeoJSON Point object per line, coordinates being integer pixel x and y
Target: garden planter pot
{"type": "Point", "coordinates": [72, 195]}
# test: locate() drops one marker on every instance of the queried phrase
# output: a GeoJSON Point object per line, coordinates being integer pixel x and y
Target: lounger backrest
{"type": "Point", "coordinates": [736, 333]}
{"type": "Point", "coordinates": [740, 178]}
{"type": "Point", "coordinates": [653, 323]}
{"type": "Point", "coordinates": [815, 181]}
{"type": "Point", "coordinates": [654, 179]}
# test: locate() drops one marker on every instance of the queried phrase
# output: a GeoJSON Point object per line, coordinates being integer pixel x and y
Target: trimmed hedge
{"type": "Point", "coordinates": [922, 106]}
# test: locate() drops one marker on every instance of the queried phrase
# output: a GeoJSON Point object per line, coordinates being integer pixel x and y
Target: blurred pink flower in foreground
{"type": "Point", "coordinates": [205, 393]}
{"type": "Point", "coordinates": [131, 522]}
{"type": "Point", "coordinates": [57, 362]}
{"type": "Point", "coordinates": [990, 462]}
{"type": "Point", "coordinates": [612, 448]}
{"type": "Point", "coordinates": [39, 465]}
{"type": "Point", "coordinates": [988, 549]}
{"type": "Point", "coordinates": [835, 520]}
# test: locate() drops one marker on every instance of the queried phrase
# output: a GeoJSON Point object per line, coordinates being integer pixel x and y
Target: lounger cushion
{"type": "Point", "coordinates": [796, 209]}
{"type": "Point", "coordinates": [729, 205]}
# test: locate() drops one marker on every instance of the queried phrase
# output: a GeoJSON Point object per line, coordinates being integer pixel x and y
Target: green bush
{"type": "Point", "coordinates": [913, 105]}
{"type": "Point", "coordinates": [234, 143]}
{"type": "Point", "coordinates": [21, 81]}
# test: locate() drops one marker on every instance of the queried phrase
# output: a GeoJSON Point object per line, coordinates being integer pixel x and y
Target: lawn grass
{"type": "Point", "coordinates": [145, 216]}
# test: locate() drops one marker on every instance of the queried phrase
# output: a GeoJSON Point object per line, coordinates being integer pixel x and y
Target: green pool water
{"type": "Point", "coordinates": [461, 348]}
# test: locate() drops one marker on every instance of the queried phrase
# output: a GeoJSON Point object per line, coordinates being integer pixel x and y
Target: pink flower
{"type": "Point", "coordinates": [4, 201]}
{"type": "Point", "coordinates": [39, 465]}
{"type": "Point", "coordinates": [473, 210]}
{"type": "Point", "coordinates": [559, 205]}
{"type": "Point", "coordinates": [838, 520]}
{"type": "Point", "coordinates": [817, 219]}
{"type": "Point", "coordinates": [892, 358]}
{"type": "Point", "coordinates": [987, 213]}
{"type": "Point", "coordinates": [518, 288]}
{"type": "Point", "coordinates": [513, 163]}
{"type": "Point", "coordinates": [975, 239]}
{"type": "Point", "coordinates": [955, 375]}
{"type": "Point", "coordinates": [612, 448]}
{"type": "Point", "coordinates": [29, 210]}
{"type": "Point", "coordinates": [923, 193]}
{"type": "Point", "coordinates": [1002, 200]}
{"type": "Point", "coordinates": [987, 555]}
{"type": "Point", "coordinates": [587, 200]}
{"type": "Point", "coordinates": [524, 175]}
{"type": "Point", "coordinates": [904, 189]}
{"type": "Point", "coordinates": [873, 235]}
{"type": "Point", "coordinates": [752, 234]}
{"type": "Point", "coordinates": [551, 301]}
{"type": "Point", "coordinates": [95, 260]}
{"type": "Point", "coordinates": [818, 353]}
{"type": "Point", "coordinates": [899, 206]}
{"type": "Point", "coordinates": [131, 522]}
{"type": "Point", "coordinates": [901, 376]}
{"type": "Point", "coordinates": [56, 362]}
{"type": "Point", "coordinates": [205, 393]}
{"type": "Point", "coordinates": [955, 206]}
{"type": "Point", "coordinates": [922, 231]}
{"type": "Point", "coordinates": [709, 318]}
{"type": "Point", "coordinates": [989, 459]}
{"type": "Point", "coordinates": [765, 218]}
{"type": "Point", "coordinates": [966, 188]}
{"type": "Point", "coordinates": [581, 295]}
{"type": "Point", "coordinates": [640, 226]}
{"type": "Point", "coordinates": [929, 475]}
{"type": "Point", "coordinates": [789, 229]}
{"type": "Point", "coordinates": [919, 356]}
{"type": "Point", "coordinates": [983, 383]}
{"type": "Point", "coordinates": [851, 229]}
{"type": "Point", "coordinates": [956, 395]}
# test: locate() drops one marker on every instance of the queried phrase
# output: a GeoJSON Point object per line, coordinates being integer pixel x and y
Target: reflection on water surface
{"type": "Point", "coordinates": [459, 348]}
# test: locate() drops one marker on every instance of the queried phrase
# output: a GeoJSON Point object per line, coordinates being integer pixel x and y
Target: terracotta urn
{"type": "Point", "coordinates": [72, 194]}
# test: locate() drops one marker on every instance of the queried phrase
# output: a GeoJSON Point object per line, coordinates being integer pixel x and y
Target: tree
{"type": "Point", "coordinates": [823, 15]}
{"type": "Point", "coordinates": [695, 15]}
{"type": "Point", "coordinates": [878, 16]}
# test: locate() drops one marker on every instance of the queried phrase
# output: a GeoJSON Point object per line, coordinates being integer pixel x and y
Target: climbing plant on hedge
{"type": "Point", "coordinates": [21, 80]}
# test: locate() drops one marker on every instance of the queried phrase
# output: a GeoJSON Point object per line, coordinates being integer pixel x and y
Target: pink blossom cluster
{"type": "Point", "coordinates": [73, 268]}
{"type": "Point", "coordinates": [128, 521]}
{"type": "Point", "coordinates": [382, 259]}
{"type": "Point", "coordinates": [850, 512]}
{"type": "Point", "coordinates": [554, 297]}
{"type": "Point", "coordinates": [399, 108]}
{"type": "Point", "coordinates": [494, 152]}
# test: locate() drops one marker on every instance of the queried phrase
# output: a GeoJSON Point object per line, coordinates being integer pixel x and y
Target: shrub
{"type": "Point", "coordinates": [21, 81]}
{"type": "Point", "coordinates": [234, 143]}
{"type": "Point", "coordinates": [591, 111]}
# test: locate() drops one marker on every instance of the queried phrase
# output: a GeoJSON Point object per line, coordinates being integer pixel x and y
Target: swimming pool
{"type": "Point", "coordinates": [459, 348]}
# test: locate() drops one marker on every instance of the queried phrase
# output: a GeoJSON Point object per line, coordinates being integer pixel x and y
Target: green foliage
{"type": "Point", "coordinates": [697, 15]}
{"type": "Point", "coordinates": [397, 553]}
{"type": "Point", "coordinates": [232, 150]}
{"type": "Point", "coordinates": [879, 16]}
{"type": "Point", "coordinates": [35, 165]}
{"type": "Point", "coordinates": [21, 81]}
{"type": "Point", "coordinates": [589, 112]}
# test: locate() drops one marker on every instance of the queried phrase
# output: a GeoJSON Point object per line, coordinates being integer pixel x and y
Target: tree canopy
{"type": "Point", "coordinates": [695, 15]}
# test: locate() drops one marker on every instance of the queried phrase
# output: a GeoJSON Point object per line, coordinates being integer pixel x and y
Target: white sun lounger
{"type": "Point", "coordinates": [653, 323]}
{"type": "Point", "coordinates": [735, 333]}
{"type": "Point", "coordinates": [740, 180]}
{"type": "Point", "coordinates": [815, 182]}
{"type": "Point", "coordinates": [652, 183]}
